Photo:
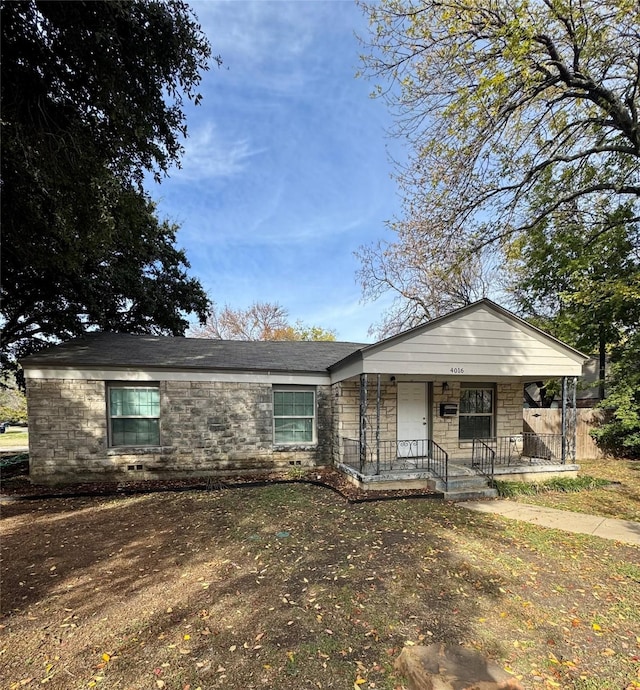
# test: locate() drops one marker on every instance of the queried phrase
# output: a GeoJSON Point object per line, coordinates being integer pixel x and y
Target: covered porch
{"type": "Point", "coordinates": [388, 448]}
{"type": "Point", "coordinates": [445, 401]}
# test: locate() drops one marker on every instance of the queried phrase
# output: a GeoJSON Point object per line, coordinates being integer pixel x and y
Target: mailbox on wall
{"type": "Point", "coordinates": [448, 409]}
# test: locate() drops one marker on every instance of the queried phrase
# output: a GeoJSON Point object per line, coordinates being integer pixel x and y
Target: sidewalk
{"type": "Point", "coordinates": [619, 530]}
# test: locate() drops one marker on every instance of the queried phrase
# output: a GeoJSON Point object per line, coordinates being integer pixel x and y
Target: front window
{"type": "Point", "coordinates": [293, 416]}
{"type": "Point", "coordinates": [134, 415]}
{"type": "Point", "coordinates": [476, 413]}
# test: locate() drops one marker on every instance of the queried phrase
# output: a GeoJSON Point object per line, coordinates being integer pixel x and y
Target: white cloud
{"type": "Point", "coordinates": [209, 155]}
{"type": "Point", "coordinates": [271, 40]}
{"type": "Point", "coordinates": [285, 172]}
{"type": "Point", "coordinates": [256, 31]}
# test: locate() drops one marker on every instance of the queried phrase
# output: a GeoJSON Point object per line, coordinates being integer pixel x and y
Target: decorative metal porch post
{"type": "Point", "coordinates": [569, 419]}
{"type": "Point", "coordinates": [378, 424]}
{"type": "Point", "coordinates": [572, 420]}
{"type": "Point", "coordinates": [363, 420]}
{"type": "Point", "coordinates": [563, 428]}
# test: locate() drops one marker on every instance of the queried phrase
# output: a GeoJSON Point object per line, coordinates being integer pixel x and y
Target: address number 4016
{"type": "Point", "coordinates": [456, 370]}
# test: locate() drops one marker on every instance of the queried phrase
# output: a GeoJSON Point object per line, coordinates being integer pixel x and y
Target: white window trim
{"type": "Point", "coordinates": [314, 426]}
{"type": "Point", "coordinates": [148, 385]}
{"type": "Point", "coordinates": [491, 415]}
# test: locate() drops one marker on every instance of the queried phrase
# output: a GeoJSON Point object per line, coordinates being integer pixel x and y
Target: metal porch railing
{"type": "Point", "coordinates": [528, 447]}
{"type": "Point", "coordinates": [381, 457]}
{"type": "Point", "coordinates": [518, 449]}
{"type": "Point", "coordinates": [483, 458]}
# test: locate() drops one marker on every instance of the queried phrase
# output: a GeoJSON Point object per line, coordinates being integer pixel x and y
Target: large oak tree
{"type": "Point", "coordinates": [92, 101]}
{"type": "Point", "coordinates": [495, 97]}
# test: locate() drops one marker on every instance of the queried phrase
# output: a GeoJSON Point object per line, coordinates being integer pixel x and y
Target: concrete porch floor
{"type": "Point", "coordinates": [464, 481]}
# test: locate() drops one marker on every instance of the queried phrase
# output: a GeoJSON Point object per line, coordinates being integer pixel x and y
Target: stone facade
{"type": "Point", "coordinates": [509, 414]}
{"type": "Point", "coordinates": [206, 428]}
{"type": "Point", "coordinates": [508, 417]}
{"type": "Point", "coordinates": [346, 407]}
{"type": "Point", "coordinates": [217, 428]}
{"type": "Point", "coordinates": [444, 430]}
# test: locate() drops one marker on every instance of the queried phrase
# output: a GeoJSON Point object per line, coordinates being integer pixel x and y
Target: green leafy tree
{"type": "Point", "coordinates": [578, 281]}
{"type": "Point", "coordinates": [92, 100]}
{"type": "Point", "coordinates": [620, 433]}
{"type": "Point", "coordinates": [13, 402]}
{"type": "Point", "coordinates": [304, 332]}
{"type": "Point", "coordinates": [495, 98]}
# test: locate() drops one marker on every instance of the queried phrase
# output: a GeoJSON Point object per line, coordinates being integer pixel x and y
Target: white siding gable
{"type": "Point", "coordinates": [476, 342]}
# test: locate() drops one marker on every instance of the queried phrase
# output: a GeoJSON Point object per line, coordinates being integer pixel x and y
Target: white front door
{"type": "Point", "coordinates": [413, 419]}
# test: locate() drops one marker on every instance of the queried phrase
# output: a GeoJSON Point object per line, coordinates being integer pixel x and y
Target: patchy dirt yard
{"type": "Point", "coordinates": [289, 586]}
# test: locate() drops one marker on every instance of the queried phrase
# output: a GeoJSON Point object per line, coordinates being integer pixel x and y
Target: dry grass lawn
{"type": "Point", "coordinates": [14, 436]}
{"type": "Point", "coordinates": [620, 500]}
{"type": "Point", "coordinates": [288, 586]}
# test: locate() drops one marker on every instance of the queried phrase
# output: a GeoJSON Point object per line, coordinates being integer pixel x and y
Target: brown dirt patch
{"type": "Point", "coordinates": [16, 484]}
{"type": "Point", "coordinates": [289, 586]}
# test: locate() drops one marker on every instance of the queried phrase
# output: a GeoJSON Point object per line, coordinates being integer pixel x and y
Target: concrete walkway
{"type": "Point", "coordinates": [625, 531]}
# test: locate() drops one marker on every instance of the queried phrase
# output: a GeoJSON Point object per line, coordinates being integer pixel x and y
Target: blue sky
{"type": "Point", "coordinates": [286, 170]}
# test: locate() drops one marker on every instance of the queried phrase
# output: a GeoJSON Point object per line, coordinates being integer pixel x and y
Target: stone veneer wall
{"type": "Point", "coordinates": [508, 415]}
{"type": "Point", "coordinates": [444, 430]}
{"type": "Point", "coordinates": [206, 428]}
{"type": "Point", "coordinates": [346, 405]}
{"type": "Point", "coordinates": [346, 410]}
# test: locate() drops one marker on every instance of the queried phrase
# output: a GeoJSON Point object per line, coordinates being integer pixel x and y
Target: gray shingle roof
{"type": "Point", "coordinates": [112, 350]}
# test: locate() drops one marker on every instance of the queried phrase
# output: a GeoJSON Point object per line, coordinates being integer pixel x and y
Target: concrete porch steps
{"type": "Point", "coordinates": [466, 489]}
{"type": "Point", "coordinates": [465, 485]}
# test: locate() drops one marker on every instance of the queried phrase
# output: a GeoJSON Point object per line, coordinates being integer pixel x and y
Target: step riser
{"type": "Point", "coordinates": [466, 488]}
{"type": "Point", "coordinates": [460, 485]}
{"type": "Point", "coordinates": [468, 483]}
{"type": "Point", "coordinates": [470, 495]}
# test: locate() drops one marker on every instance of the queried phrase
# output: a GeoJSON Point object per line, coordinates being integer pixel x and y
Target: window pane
{"type": "Point", "coordinates": [485, 401]}
{"type": "Point", "coordinates": [132, 402]}
{"type": "Point", "coordinates": [294, 414]}
{"type": "Point", "coordinates": [305, 404]}
{"type": "Point", "coordinates": [135, 432]}
{"type": "Point", "coordinates": [134, 412]}
{"type": "Point", "coordinates": [293, 404]}
{"type": "Point", "coordinates": [115, 400]}
{"type": "Point", "coordinates": [467, 399]}
{"type": "Point", "coordinates": [293, 430]}
{"type": "Point", "coordinates": [476, 400]}
{"type": "Point", "coordinates": [477, 426]}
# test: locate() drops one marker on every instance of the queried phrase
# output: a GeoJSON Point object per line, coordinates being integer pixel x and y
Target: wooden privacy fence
{"type": "Point", "coordinates": [549, 421]}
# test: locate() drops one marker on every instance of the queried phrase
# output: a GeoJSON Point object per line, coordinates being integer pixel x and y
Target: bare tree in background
{"type": "Point", "coordinates": [259, 321]}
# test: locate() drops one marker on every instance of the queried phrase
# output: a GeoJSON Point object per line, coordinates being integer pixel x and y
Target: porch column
{"type": "Point", "coordinates": [572, 420]}
{"type": "Point", "coordinates": [363, 420]}
{"type": "Point", "coordinates": [564, 420]}
{"type": "Point", "coordinates": [378, 424]}
{"type": "Point", "coordinates": [569, 419]}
